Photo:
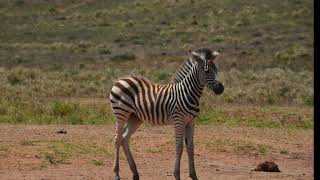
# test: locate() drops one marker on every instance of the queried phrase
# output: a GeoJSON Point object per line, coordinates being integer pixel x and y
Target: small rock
{"type": "Point", "coordinates": [62, 131]}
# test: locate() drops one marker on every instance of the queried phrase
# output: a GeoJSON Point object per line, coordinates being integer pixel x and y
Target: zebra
{"type": "Point", "coordinates": [135, 100]}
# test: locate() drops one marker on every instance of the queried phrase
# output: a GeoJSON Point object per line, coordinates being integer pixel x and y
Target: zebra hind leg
{"type": "Point", "coordinates": [117, 142]}
{"type": "Point", "coordinates": [133, 124]}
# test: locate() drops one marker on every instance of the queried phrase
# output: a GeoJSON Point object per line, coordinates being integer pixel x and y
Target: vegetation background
{"type": "Point", "coordinates": [59, 59]}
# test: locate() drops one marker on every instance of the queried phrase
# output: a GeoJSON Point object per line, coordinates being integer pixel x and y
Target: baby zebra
{"type": "Point", "coordinates": [135, 100]}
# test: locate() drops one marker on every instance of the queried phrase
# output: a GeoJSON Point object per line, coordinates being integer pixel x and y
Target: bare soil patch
{"type": "Point", "coordinates": [86, 152]}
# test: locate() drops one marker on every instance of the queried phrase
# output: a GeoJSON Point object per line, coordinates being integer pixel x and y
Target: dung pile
{"type": "Point", "coordinates": [268, 166]}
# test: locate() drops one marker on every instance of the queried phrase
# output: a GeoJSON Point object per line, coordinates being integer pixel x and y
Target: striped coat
{"type": "Point", "coordinates": [135, 100]}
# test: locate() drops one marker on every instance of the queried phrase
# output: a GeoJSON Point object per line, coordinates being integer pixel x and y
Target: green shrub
{"type": "Point", "coordinates": [31, 75]}
{"type": "Point", "coordinates": [56, 67]}
{"type": "Point", "coordinates": [82, 66]}
{"type": "Point", "coordinates": [14, 79]}
{"type": "Point", "coordinates": [290, 55]}
{"type": "Point", "coordinates": [123, 57]}
{"type": "Point", "coordinates": [52, 9]}
{"type": "Point", "coordinates": [18, 2]}
{"type": "Point", "coordinates": [64, 109]}
{"type": "Point", "coordinates": [104, 51]}
{"type": "Point", "coordinates": [3, 110]}
{"type": "Point", "coordinates": [309, 100]}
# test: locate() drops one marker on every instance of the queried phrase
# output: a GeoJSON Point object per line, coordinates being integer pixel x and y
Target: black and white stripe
{"type": "Point", "coordinates": [135, 100]}
{"type": "Point", "coordinates": [187, 65]}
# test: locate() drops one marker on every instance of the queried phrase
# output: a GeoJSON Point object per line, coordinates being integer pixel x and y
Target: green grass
{"type": "Point", "coordinates": [97, 162]}
{"type": "Point", "coordinates": [90, 28]}
{"type": "Point", "coordinates": [4, 149]}
{"type": "Point", "coordinates": [57, 112]}
{"type": "Point", "coordinates": [61, 152]}
{"type": "Point", "coordinates": [27, 142]}
{"type": "Point", "coordinates": [58, 61]}
{"type": "Point", "coordinates": [57, 157]}
{"type": "Point", "coordinates": [260, 117]}
{"type": "Point", "coordinates": [241, 147]}
{"type": "Point", "coordinates": [250, 148]}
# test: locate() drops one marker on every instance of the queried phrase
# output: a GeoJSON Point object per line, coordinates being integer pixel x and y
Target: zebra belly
{"type": "Point", "coordinates": [153, 116]}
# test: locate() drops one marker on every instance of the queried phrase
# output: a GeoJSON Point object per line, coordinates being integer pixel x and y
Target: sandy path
{"type": "Point", "coordinates": [220, 153]}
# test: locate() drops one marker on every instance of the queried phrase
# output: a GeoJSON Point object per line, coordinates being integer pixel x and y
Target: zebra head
{"type": "Point", "coordinates": [208, 70]}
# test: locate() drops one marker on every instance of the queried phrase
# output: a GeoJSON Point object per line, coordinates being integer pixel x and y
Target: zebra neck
{"type": "Point", "coordinates": [182, 71]}
{"type": "Point", "coordinates": [192, 86]}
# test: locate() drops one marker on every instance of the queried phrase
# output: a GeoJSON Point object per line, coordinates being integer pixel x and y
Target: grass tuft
{"type": "Point", "coordinates": [97, 162]}
{"type": "Point", "coordinates": [14, 79]}
{"type": "Point", "coordinates": [64, 109]}
{"type": "Point", "coordinates": [123, 57]}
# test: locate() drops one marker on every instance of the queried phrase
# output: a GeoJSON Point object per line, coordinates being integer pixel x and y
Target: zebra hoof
{"type": "Point", "coordinates": [136, 177]}
{"type": "Point", "coordinates": [193, 176]}
{"type": "Point", "coordinates": [116, 178]}
{"type": "Point", "coordinates": [177, 175]}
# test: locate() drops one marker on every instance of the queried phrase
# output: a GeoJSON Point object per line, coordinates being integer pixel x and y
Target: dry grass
{"type": "Point", "coordinates": [59, 60]}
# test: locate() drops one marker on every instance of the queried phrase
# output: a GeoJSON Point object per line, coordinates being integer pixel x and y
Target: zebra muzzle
{"type": "Point", "coordinates": [218, 88]}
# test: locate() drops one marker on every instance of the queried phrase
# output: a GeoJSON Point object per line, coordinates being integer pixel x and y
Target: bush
{"type": "Point", "coordinates": [3, 110]}
{"type": "Point", "coordinates": [123, 57]}
{"type": "Point", "coordinates": [14, 79]}
{"type": "Point", "coordinates": [104, 51]}
{"type": "Point", "coordinates": [31, 75]}
{"type": "Point", "coordinates": [56, 67]}
{"type": "Point", "coordinates": [18, 2]}
{"type": "Point", "coordinates": [291, 56]}
{"type": "Point", "coordinates": [309, 100]}
{"type": "Point", "coordinates": [82, 66]}
{"type": "Point", "coordinates": [64, 109]}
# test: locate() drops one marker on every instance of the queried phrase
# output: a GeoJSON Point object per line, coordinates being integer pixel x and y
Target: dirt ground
{"type": "Point", "coordinates": [86, 152]}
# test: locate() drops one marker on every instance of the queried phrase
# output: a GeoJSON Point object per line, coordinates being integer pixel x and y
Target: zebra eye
{"type": "Point", "coordinates": [211, 61]}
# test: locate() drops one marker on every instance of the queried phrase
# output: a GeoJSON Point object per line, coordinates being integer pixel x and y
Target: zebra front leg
{"type": "Point", "coordinates": [132, 125]}
{"type": "Point", "coordinates": [117, 143]}
{"type": "Point", "coordinates": [179, 126]}
{"type": "Point", "coordinates": [190, 149]}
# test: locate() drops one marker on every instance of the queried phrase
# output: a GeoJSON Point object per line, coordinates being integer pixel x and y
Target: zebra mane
{"type": "Point", "coordinates": [182, 71]}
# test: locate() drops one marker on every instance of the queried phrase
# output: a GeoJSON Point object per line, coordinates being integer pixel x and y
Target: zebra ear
{"type": "Point", "coordinates": [215, 54]}
{"type": "Point", "coordinates": [194, 56]}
